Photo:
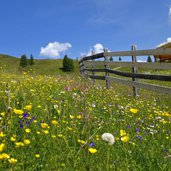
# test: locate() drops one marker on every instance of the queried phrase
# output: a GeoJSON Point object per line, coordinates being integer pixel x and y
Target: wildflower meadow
{"type": "Point", "coordinates": [66, 123]}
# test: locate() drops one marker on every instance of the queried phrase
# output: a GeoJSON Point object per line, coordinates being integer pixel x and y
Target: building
{"type": "Point", "coordinates": [163, 58]}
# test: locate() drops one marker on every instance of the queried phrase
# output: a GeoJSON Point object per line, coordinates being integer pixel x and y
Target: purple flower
{"type": "Point", "coordinates": [92, 144]}
{"type": "Point", "coordinates": [21, 124]}
{"type": "Point", "coordinates": [137, 130]}
{"type": "Point", "coordinates": [67, 88]}
{"type": "Point", "coordinates": [139, 137]}
{"type": "Point", "coordinates": [128, 126]}
{"type": "Point", "coordinates": [27, 123]}
{"type": "Point", "coordinates": [25, 115]}
{"type": "Point", "coordinates": [32, 119]}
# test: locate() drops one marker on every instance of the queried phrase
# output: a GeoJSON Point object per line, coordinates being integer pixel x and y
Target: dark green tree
{"type": "Point", "coordinates": [68, 64]}
{"type": "Point", "coordinates": [111, 59]}
{"type": "Point", "coordinates": [149, 59]}
{"type": "Point", "coordinates": [31, 61]}
{"type": "Point", "coordinates": [23, 61]}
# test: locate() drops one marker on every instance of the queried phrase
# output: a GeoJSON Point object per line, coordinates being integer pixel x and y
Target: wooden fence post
{"type": "Point", "coordinates": [93, 67]}
{"type": "Point", "coordinates": [81, 69]}
{"type": "Point", "coordinates": [107, 67]}
{"type": "Point", "coordinates": [134, 70]}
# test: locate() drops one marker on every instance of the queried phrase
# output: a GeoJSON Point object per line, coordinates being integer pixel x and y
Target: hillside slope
{"type": "Point", "coordinates": [11, 64]}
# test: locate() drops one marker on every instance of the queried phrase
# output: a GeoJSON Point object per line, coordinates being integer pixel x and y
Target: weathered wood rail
{"type": "Point", "coordinates": [89, 64]}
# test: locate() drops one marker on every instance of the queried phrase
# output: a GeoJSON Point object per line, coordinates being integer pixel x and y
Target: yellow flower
{"type": "Point", "coordinates": [92, 150]}
{"type": "Point", "coordinates": [27, 130]}
{"type": "Point", "coordinates": [166, 114]}
{"type": "Point", "coordinates": [39, 106]}
{"type": "Point", "coordinates": [53, 136]}
{"type": "Point", "coordinates": [125, 138]}
{"type": "Point", "coordinates": [2, 134]}
{"type": "Point", "coordinates": [134, 111]}
{"type": "Point", "coordinates": [81, 141]}
{"type": "Point", "coordinates": [54, 122]}
{"type": "Point", "coordinates": [37, 155]}
{"type": "Point", "coordinates": [12, 160]}
{"type": "Point", "coordinates": [60, 135]}
{"type": "Point", "coordinates": [44, 125]}
{"type": "Point", "coordinates": [27, 141]}
{"type": "Point", "coordinates": [4, 156]}
{"type": "Point", "coordinates": [19, 144]}
{"type": "Point", "coordinates": [79, 117]}
{"type": "Point", "coordinates": [2, 113]}
{"type": "Point", "coordinates": [19, 112]}
{"type": "Point", "coordinates": [2, 145]}
{"type": "Point", "coordinates": [13, 139]}
{"type": "Point", "coordinates": [28, 107]}
{"type": "Point", "coordinates": [35, 121]}
{"type": "Point", "coordinates": [122, 132]}
{"type": "Point", "coordinates": [46, 131]}
{"type": "Point", "coordinates": [97, 137]}
{"type": "Point", "coordinates": [69, 128]}
{"type": "Point", "coordinates": [71, 116]}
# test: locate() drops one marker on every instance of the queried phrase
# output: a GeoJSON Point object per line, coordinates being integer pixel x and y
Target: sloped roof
{"type": "Point", "coordinates": [164, 46]}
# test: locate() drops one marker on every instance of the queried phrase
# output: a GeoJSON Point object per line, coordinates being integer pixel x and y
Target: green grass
{"type": "Point", "coordinates": [50, 120]}
{"type": "Point", "coordinates": [11, 64]}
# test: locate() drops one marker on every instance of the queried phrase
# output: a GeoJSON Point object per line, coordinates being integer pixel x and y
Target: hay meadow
{"type": "Point", "coordinates": [54, 121]}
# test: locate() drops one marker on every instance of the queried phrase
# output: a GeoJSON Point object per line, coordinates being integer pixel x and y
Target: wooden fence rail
{"type": "Point", "coordinates": [89, 65]}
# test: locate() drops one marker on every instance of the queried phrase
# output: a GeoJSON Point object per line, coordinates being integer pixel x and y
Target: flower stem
{"type": "Point", "coordinates": [108, 157]}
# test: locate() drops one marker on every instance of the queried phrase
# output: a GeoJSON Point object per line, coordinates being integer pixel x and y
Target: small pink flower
{"type": "Point", "coordinates": [67, 88]}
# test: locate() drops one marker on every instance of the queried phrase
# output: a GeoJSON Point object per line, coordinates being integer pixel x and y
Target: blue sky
{"type": "Point", "coordinates": [52, 28]}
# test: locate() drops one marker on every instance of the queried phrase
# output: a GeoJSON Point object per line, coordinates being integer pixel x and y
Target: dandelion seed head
{"type": "Point", "coordinates": [108, 138]}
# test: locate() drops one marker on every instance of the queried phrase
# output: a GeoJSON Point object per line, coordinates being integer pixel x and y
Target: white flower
{"type": "Point", "coordinates": [93, 105]}
{"type": "Point", "coordinates": [108, 138]}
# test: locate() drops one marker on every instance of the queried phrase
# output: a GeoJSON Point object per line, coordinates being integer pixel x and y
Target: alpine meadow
{"type": "Point", "coordinates": [52, 120]}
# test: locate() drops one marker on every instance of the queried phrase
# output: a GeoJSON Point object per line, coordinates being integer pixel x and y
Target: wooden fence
{"type": "Point", "coordinates": [89, 67]}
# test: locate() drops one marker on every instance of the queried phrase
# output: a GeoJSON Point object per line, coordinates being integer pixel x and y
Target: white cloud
{"type": "Point", "coordinates": [54, 49]}
{"type": "Point", "coordinates": [170, 14]}
{"type": "Point", "coordinates": [97, 48]}
{"type": "Point", "coordinates": [167, 41]}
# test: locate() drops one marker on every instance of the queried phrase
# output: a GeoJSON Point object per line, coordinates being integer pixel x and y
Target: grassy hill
{"type": "Point", "coordinates": [11, 64]}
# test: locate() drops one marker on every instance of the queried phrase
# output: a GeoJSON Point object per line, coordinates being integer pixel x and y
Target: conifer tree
{"type": "Point", "coordinates": [111, 59]}
{"type": "Point", "coordinates": [68, 64]}
{"type": "Point", "coordinates": [149, 59]}
{"type": "Point", "coordinates": [31, 61]}
{"type": "Point", "coordinates": [23, 61]}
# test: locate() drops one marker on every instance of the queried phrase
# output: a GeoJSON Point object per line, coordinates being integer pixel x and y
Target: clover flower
{"type": "Point", "coordinates": [108, 138]}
